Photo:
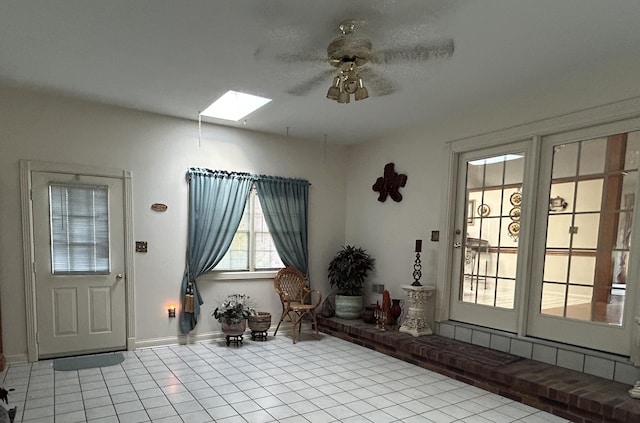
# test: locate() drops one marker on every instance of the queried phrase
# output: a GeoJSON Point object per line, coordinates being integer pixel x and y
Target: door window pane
{"type": "Point", "coordinates": [553, 298]}
{"type": "Point", "coordinates": [592, 155]}
{"type": "Point", "coordinates": [585, 230]}
{"type": "Point", "coordinates": [559, 231]}
{"type": "Point", "coordinates": [565, 161]}
{"type": "Point", "coordinates": [589, 195]}
{"type": "Point", "coordinates": [579, 302]}
{"type": "Point", "coordinates": [582, 269]}
{"type": "Point", "coordinates": [79, 229]}
{"type": "Point", "coordinates": [556, 266]}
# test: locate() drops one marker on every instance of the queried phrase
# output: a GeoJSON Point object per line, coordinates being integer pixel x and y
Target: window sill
{"type": "Point", "coordinates": [231, 276]}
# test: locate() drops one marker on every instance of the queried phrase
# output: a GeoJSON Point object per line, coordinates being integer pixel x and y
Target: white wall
{"type": "Point", "coordinates": [158, 150]}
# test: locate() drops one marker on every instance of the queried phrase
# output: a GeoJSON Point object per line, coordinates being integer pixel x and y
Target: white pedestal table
{"type": "Point", "coordinates": [415, 323]}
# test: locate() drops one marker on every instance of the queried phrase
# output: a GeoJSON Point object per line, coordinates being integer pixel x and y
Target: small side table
{"type": "Point", "coordinates": [415, 324]}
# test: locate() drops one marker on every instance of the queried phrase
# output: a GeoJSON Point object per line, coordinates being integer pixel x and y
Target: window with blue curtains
{"type": "Point", "coordinates": [216, 204]}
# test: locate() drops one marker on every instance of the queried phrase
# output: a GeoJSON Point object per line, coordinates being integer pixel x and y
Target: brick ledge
{"type": "Point", "coordinates": [572, 395]}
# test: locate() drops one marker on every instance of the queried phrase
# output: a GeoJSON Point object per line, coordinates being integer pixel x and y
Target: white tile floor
{"type": "Point", "coordinates": [327, 380]}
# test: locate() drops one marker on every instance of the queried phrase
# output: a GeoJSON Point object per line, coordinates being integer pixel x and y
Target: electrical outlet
{"type": "Point", "coordinates": [141, 246]}
{"type": "Point", "coordinates": [377, 288]}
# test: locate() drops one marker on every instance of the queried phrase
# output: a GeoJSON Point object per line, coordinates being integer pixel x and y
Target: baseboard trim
{"type": "Point", "coordinates": [16, 359]}
{"type": "Point", "coordinates": [177, 340]}
{"type": "Point", "coordinates": [133, 343]}
{"type": "Point", "coordinates": [194, 338]}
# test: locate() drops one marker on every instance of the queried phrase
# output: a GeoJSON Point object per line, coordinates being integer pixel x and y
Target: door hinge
{"type": "Point", "coordinates": [31, 194]}
{"type": "Point", "coordinates": [34, 267]}
{"type": "Point", "coordinates": [37, 337]}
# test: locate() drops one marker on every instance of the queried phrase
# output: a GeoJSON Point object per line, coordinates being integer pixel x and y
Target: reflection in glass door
{"type": "Point", "coordinates": [589, 229]}
{"type": "Point", "coordinates": [494, 198]}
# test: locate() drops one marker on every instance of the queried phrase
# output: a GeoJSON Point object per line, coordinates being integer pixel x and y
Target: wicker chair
{"type": "Point", "coordinates": [295, 297]}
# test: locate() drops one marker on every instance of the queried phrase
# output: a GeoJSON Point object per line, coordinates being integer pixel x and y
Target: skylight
{"type": "Point", "coordinates": [234, 106]}
{"type": "Point", "coordinates": [496, 159]}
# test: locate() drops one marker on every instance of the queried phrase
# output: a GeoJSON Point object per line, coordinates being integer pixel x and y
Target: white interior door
{"type": "Point", "coordinates": [78, 226]}
{"type": "Point", "coordinates": [585, 274]}
{"type": "Point", "coordinates": [486, 237]}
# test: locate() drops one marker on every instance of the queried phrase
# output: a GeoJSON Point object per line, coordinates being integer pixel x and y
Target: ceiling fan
{"type": "Point", "coordinates": [355, 60]}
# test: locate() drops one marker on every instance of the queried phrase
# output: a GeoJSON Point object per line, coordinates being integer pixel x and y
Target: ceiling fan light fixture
{"type": "Point", "coordinates": [334, 90]}
{"type": "Point", "coordinates": [343, 98]}
{"type": "Point", "coordinates": [333, 93]}
{"type": "Point", "coordinates": [362, 92]}
{"type": "Point", "coordinates": [350, 85]}
{"type": "Point", "coordinates": [346, 83]}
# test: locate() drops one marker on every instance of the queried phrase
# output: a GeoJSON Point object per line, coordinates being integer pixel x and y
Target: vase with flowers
{"type": "Point", "coordinates": [232, 315]}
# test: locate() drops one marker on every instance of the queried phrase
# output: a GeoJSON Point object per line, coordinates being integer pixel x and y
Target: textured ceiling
{"type": "Point", "coordinates": [175, 57]}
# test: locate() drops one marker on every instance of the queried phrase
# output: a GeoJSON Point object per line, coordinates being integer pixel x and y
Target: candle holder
{"type": "Point", "coordinates": [417, 265]}
{"type": "Point", "coordinates": [381, 318]}
{"type": "Point", "coordinates": [417, 271]}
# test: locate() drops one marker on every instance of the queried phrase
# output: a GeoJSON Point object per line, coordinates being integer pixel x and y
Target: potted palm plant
{"type": "Point", "coordinates": [347, 272]}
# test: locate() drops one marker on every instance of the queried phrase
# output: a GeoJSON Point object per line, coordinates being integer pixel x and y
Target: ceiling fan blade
{"type": "Point", "coordinates": [312, 56]}
{"type": "Point", "coordinates": [311, 83]}
{"type": "Point", "coordinates": [436, 50]}
{"type": "Point", "coordinates": [376, 83]}
{"type": "Point", "coordinates": [301, 57]}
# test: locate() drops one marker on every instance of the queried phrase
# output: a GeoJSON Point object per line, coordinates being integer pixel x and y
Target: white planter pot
{"type": "Point", "coordinates": [348, 306]}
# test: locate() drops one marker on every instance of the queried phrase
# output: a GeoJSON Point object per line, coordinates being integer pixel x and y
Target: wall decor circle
{"type": "Point", "coordinates": [514, 229]}
{"type": "Point", "coordinates": [516, 198]}
{"type": "Point", "coordinates": [484, 210]}
{"type": "Point", "coordinates": [514, 214]}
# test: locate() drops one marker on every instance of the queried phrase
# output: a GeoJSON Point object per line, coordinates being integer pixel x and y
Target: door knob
{"type": "Point", "coordinates": [119, 276]}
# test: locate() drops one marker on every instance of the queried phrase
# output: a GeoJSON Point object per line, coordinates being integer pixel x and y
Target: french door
{"type": "Point", "coordinates": [487, 237]}
{"type": "Point", "coordinates": [544, 247]}
{"type": "Point", "coordinates": [584, 280]}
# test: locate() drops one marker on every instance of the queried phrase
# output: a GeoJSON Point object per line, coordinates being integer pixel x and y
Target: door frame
{"type": "Point", "coordinates": [26, 169]}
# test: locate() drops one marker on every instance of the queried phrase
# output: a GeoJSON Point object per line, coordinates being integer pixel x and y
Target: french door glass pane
{"type": "Point", "coordinates": [79, 229]}
{"type": "Point", "coordinates": [493, 192]}
{"type": "Point", "coordinates": [589, 225]}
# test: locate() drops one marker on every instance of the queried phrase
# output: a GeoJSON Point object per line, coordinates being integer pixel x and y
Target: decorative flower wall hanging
{"type": "Point", "coordinates": [389, 184]}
